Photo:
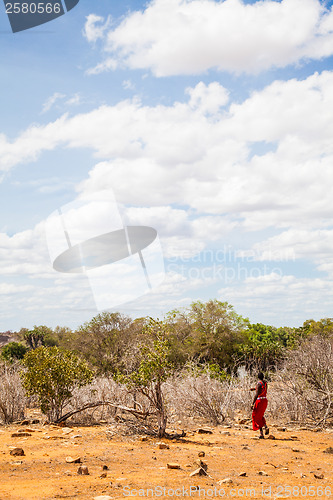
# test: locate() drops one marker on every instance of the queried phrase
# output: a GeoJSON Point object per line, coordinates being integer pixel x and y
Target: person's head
{"type": "Point", "coordinates": [260, 376]}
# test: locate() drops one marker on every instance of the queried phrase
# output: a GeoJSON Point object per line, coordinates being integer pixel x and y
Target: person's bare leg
{"type": "Point", "coordinates": [266, 430]}
{"type": "Point", "coordinates": [261, 434]}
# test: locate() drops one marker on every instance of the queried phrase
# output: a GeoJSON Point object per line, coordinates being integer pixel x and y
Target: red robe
{"type": "Point", "coordinates": [258, 419]}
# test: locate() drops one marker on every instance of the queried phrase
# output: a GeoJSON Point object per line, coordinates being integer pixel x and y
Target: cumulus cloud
{"type": "Point", "coordinates": [208, 98]}
{"type": "Point", "coordinates": [176, 37]}
{"type": "Point", "coordinates": [180, 154]}
{"type": "Point", "coordinates": [197, 177]}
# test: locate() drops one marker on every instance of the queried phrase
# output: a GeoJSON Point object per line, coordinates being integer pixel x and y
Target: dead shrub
{"type": "Point", "coordinates": [12, 397]}
{"type": "Point", "coordinates": [102, 389]}
{"type": "Point", "coordinates": [304, 387]}
{"type": "Point", "coordinates": [201, 395]}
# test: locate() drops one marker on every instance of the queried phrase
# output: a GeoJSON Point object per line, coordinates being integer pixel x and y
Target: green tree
{"type": "Point", "coordinates": [106, 340]}
{"type": "Point", "coordinates": [217, 332]}
{"type": "Point", "coordinates": [154, 368]}
{"type": "Point", "coordinates": [13, 351]}
{"type": "Point", "coordinates": [264, 347]}
{"type": "Point", "coordinates": [37, 336]}
{"type": "Point", "coordinates": [323, 327]}
{"type": "Point", "coordinates": [52, 375]}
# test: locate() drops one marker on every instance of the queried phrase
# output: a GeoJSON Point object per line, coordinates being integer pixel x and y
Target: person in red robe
{"type": "Point", "coordinates": [259, 406]}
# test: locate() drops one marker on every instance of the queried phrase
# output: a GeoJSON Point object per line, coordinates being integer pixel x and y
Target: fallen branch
{"type": "Point", "coordinates": [137, 413]}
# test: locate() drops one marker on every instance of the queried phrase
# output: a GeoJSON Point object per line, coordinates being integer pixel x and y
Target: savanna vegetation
{"type": "Point", "coordinates": [195, 362]}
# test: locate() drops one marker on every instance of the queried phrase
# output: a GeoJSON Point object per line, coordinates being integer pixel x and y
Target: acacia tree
{"type": "Point", "coordinates": [153, 370]}
{"type": "Point", "coordinates": [217, 332]}
{"type": "Point", "coordinates": [105, 341]}
{"type": "Point", "coordinates": [263, 348]}
{"type": "Point", "coordinates": [52, 375]}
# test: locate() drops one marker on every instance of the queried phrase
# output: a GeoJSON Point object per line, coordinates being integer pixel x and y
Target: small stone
{"type": "Point", "coordinates": [18, 462]}
{"type": "Point", "coordinates": [103, 475]}
{"type": "Point", "coordinates": [262, 473]}
{"type": "Point", "coordinates": [271, 436]}
{"type": "Point", "coordinates": [225, 433]}
{"type": "Point", "coordinates": [227, 480]}
{"type": "Point", "coordinates": [329, 450]}
{"type": "Point", "coordinates": [204, 431]}
{"type": "Point", "coordinates": [293, 437]}
{"type": "Point", "coordinates": [67, 430]}
{"type": "Point", "coordinates": [105, 467]}
{"type": "Point", "coordinates": [295, 450]}
{"type": "Point", "coordinates": [201, 454]}
{"type": "Point", "coordinates": [201, 464]}
{"type": "Point", "coordinates": [17, 452]}
{"type": "Point", "coordinates": [198, 472]}
{"type": "Point", "coordinates": [303, 475]}
{"type": "Point", "coordinates": [76, 436]}
{"type": "Point", "coordinates": [243, 474]}
{"type": "Point", "coordinates": [319, 476]}
{"type": "Point", "coordinates": [83, 469]}
{"type": "Point", "coordinates": [282, 429]}
{"type": "Point", "coordinates": [103, 497]}
{"type": "Point", "coordinates": [71, 460]}
{"type": "Point", "coordinates": [173, 466]}
{"type": "Point", "coordinates": [163, 446]}
{"type": "Point", "coordinates": [20, 434]}
{"type": "Point", "coordinates": [25, 422]}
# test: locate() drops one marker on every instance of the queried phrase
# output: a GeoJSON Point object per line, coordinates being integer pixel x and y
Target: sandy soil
{"type": "Point", "coordinates": [289, 464]}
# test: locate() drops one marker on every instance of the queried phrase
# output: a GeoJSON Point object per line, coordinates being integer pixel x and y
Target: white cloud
{"type": "Point", "coordinates": [176, 154]}
{"type": "Point", "coordinates": [75, 100]}
{"type": "Point", "coordinates": [95, 27]}
{"type": "Point", "coordinates": [128, 85]}
{"type": "Point", "coordinates": [107, 65]}
{"type": "Point", "coordinates": [173, 37]}
{"type": "Point", "coordinates": [281, 300]}
{"type": "Point", "coordinates": [49, 103]}
{"type": "Point", "coordinates": [196, 177]}
{"type": "Point", "coordinates": [208, 98]}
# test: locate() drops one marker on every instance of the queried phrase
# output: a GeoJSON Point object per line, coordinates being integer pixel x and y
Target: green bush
{"type": "Point", "coordinates": [13, 351]}
{"type": "Point", "coordinates": [52, 375]}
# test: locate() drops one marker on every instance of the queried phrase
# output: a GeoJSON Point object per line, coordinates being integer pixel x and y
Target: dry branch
{"type": "Point", "coordinates": [137, 413]}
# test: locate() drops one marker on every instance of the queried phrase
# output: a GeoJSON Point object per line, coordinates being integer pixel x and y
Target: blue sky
{"type": "Point", "coordinates": [211, 122]}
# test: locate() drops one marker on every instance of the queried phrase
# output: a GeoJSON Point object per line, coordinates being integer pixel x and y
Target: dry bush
{"type": "Point", "coordinates": [12, 397]}
{"type": "Point", "coordinates": [202, 396]}
{"type": "Point", "coordinates": [102, 389]}
{"type": "Point", "coordinates": [304, 388]}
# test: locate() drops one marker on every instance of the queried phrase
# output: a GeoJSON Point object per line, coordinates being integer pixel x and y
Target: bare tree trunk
{"type": "Point", "coordinates": [161, 413]}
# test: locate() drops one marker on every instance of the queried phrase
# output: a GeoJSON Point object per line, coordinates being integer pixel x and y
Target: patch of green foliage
{"type": "Point", "coordinates": [52, 374]}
